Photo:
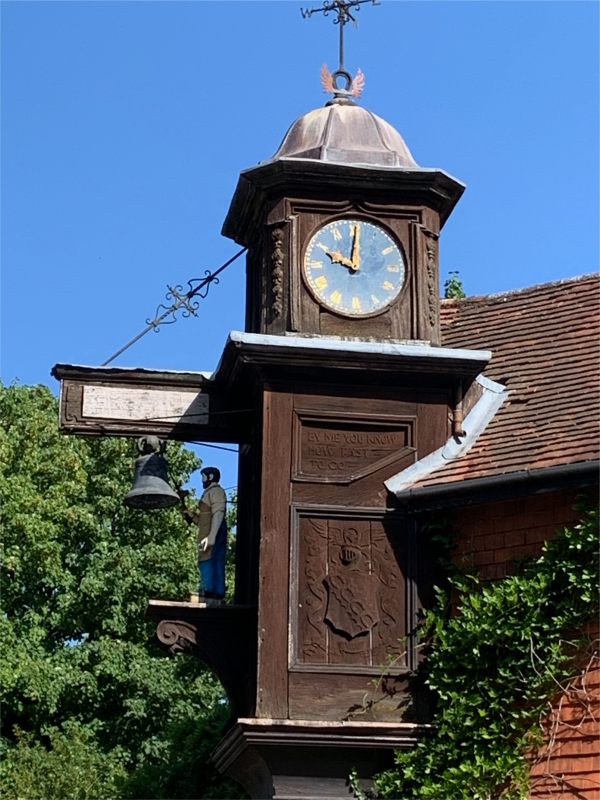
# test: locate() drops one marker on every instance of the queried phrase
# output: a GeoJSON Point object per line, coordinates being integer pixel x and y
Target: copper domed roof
{"type": "Point", "coordinates": [345, 134]}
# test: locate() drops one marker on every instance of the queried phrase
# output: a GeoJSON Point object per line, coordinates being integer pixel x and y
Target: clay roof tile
{"type": "Point", "coordinates": [545, 343]}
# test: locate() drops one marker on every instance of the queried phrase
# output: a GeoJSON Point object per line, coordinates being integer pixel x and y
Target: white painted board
{"type": "Point", "coordinates": [134, 404]}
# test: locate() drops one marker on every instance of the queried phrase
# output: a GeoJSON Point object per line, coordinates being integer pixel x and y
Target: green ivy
{"type": "Point", "coordinates": [493, 666]}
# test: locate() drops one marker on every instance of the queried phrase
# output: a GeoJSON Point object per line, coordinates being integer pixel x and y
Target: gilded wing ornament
{"type": "Point", "coordinates": [327, 79]}
{"type": "Point", "coordinates": [358, 84]}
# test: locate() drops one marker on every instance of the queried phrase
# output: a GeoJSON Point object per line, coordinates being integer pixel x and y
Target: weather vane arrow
{"type": "Point", "coordinates": [343, 14]}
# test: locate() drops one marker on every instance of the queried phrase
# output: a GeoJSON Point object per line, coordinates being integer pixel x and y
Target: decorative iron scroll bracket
{"type": "Point", "coordinates": [198, 287]}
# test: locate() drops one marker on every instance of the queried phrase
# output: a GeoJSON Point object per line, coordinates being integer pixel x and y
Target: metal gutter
{"type": "Point", "coordinates": [513, 484]}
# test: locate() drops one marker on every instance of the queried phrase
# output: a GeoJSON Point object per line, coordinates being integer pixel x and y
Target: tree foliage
{"type": "Point", "coordinates": [493, 667]}
{"type": "Point", "coordinates": [453, 286]}
{"type": "Point", "coordinates": [92, 708]}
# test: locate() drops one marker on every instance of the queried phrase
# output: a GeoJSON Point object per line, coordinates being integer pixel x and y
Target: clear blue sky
{"type": "Point", "coordinates": [125, 126]}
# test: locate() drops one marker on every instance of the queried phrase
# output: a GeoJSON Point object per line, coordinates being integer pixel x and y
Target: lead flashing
{"type": "Point", "coordinates": [337, 344]}
{"type": "Point", "coordinates": [476, 421]}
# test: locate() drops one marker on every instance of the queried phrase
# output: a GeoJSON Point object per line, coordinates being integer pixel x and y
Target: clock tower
{"type": "Point", "coordinates": [338, 384]}
{"type": "Point", "coordinates": [342, 229]}
{"type": "Point", "coordinates": [344, 385]}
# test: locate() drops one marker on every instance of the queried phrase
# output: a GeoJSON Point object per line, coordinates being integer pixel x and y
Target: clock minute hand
{"type": "Point", "coordinates": [355, 262]}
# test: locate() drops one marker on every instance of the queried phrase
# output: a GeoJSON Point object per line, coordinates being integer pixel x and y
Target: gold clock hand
{"type": "Point", "coordinates": [355, 262]}
{"type": "Point", "coordinates": [338, 258]}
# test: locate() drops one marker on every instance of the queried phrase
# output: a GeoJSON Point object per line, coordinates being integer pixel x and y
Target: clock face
{"type": "Point", "coordinates": [354, 267]}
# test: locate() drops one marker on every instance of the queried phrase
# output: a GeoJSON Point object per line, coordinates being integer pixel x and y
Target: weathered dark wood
{"type": "Point", "coordinates": [342, 448]}
{"type": "Point", "coordinates": [327, 450]}
{"type": "Point", "coordinates": [309, 760]}
{"type": "Point", "coordinates": [323, 552]}
{"type": "Point", "coordinates": [413, 315]}
{"type": "Point", "coordinates": [304, 178]}
{"type": "Point", "coordinates": [365, 698]}
{"type": "Point", "coordinates": [274, 556]}
{"type": "Point", "coordinates": [248, 523]}
{"type": "Point", "coordinates": [348, 606]}
{"type": "Point", "coordinates": [366, 434]}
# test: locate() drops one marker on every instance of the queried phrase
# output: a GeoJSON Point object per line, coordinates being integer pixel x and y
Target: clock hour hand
{"type": "Point", "coordinates": [337, 258]}
{"type": "Point", "coordinates": [355, 262]}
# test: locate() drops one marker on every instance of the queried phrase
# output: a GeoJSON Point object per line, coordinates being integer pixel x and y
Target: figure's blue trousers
{"type": "Point", "coordinates": [212, 571]}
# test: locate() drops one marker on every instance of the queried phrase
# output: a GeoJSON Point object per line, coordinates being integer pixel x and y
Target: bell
{"type": "Point", "coordinates": [150, 485]}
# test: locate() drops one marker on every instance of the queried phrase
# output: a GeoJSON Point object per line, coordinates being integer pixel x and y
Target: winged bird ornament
{"type": "Point", "coordinates": [354, 86]}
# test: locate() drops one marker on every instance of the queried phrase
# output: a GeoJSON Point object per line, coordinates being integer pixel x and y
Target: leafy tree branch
{"type": "Point", "coordinates": [92, 708]}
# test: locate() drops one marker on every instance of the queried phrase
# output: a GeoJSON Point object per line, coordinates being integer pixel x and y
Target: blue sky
{"type": "Point", "coordinates": [125, 126]}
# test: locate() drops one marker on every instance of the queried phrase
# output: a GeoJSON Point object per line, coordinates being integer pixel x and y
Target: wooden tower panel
{"type": "Point", "coordinates": [337, 586]}
{"type": "Point", "coordinates": [273, 587]}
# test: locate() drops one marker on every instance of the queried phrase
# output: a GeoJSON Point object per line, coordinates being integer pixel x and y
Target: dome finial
{"type": "Point", "coordinates": [353, 87]}
{"type": "Point", "coordinates": [342, 96]}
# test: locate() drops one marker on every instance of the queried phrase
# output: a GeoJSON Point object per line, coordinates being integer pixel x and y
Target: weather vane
{"type": "Point", "coordinates": [343, 10]}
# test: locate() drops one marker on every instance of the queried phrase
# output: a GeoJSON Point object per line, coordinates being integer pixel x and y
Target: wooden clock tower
{"type": "Point", "coordinates": [338, 383]}
{"type": "Point", "coordinates": [342, 185]}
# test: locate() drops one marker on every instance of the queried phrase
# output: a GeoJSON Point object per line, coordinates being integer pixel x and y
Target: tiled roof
{"type": "Point", "coordinates": [545, 344]}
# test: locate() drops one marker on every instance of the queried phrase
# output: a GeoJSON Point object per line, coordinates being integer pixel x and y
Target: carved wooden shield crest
{"type": "Point", "coordinates": [351, 594]}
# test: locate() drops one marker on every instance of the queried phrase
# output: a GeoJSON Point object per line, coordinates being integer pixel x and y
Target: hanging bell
{"type": "Point", "coordinates": [150, 483]}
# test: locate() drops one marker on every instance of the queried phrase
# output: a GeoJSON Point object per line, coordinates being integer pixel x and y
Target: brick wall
{"type": "Point", "coordinates": [492, 539]}
{"type": "Point", "coordinates": [568, 764]}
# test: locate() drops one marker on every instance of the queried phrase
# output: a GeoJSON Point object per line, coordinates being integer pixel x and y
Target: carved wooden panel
{"type": "Point", "coordinates": [350, 591]}
{"type": "Point", "coordinates": [342, 448]}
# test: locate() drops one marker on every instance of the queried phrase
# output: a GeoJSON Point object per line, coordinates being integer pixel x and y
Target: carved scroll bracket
{"type": "Point", "coordinates": [177, 636]}
{"type": "Point", "coordinates": [223, 638]}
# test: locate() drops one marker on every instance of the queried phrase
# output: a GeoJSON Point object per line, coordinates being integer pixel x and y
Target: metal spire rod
{"type": "Point", "coordinates": [344, 15]}
{"type": "Point", "coordinates": [181, 301]}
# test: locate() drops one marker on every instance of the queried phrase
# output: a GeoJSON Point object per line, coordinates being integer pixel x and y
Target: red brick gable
{"type": "Point", "coordinates": [545, 343]}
